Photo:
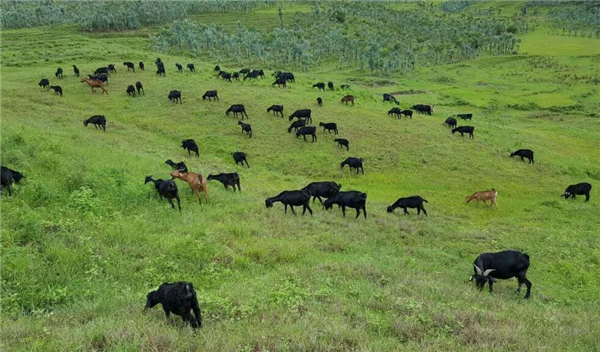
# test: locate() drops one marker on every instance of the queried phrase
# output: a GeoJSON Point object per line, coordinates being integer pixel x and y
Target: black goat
{"type": "Point", "coordinates": [232, 179]}
{"type": "Point", "coordinates": [178, 298]}
{"type": "Point", "coordinates": [217, 69]}
{"type": "Point", "coordinates": [451, 122]}
{"type": "Point", "coordinates": [139, 87]}
{"type": "Point", "coordinates": [131, 90]}
{"type": "Point", "coordinates": [281, 82]}
{"type": "Point", "coordinates": [57, 90]}
{"type": "Point", "coordinates": [353, 163]}
{"type": "Point", "coordinates": [292, 198]}
{"type": "Point", "coordinates": [276, 109]}
{"type": "Point", "coordinates": [464, 129]}
{"type": "Point", "coordinates": [325, 189]}
{"type": "Point", "coordinates": [407, 113]}
{"type": "Point", "coordinates": [99, 77]}
{"type": "Point", "coordinates": [130, 66]}
{"type": "Point", "coordinates": [111, 68]}
{"type": "Point", "coordinates": [167, 189]}
{"type": "Point", "coordinates": [246, 128]}
{"type": "Point", "coordinates": [179, 68]}
{"type": "Point", "coordinates": [302, 114]}
{"type": "Point", "coordinates": [389, 97]}
{"type": "Point", "coordinates": [180, 166]}
{"type": "Point", "coordinates": [296, 125]}
{"type": "Point", "coordinates": [396, 112]}
{"type": "Point", "coordinates": [237, 109]}
{"type": "Point", "coordinates": [226, 76]}
{"type": "Point", "coordinates": [160, 69]}
{"type": "Point", "coordinates": [102, 71]}
{"type": "Point", "coordinates": [288, 76]}
{"type": "Point", "coordinates": [320, 101]}
{"type": "Point", "coordinates": [423, 109]}
{"type": "Point", "coordinates": [465, 116]}
{"type": "Point", "coordinates": [330, 86]}
{"type": "Point", "coordinates": [342, 143]}
{"type": "Point", "coordinates": [524, 153]}
{"type": "Point", "coordinates": [191, 146]}
{"type": "Point", "coordinates": [320, 86]}
{"type": "Point", "coordinates": [8, 177]}
{"type": "Point", "coordinates": [174, 96]}
{"type": "Point", "coordinates": [210, 94]}
{"type": "Point", "coordinates": [501, 265]}
{"type": "Point", "coordinates": [240, 158]}
{"type": "Point", "coordinates": [582, 188]}
{"type": "Point", "coordinates": [191, 67]}
{"type": "Point", "coordinates": [59, 73]}
{"type": "Point", "coordinates": [76, 70]}
{"type": "Point", "coordinates": [141, 64]}
{"type": "Point", "coordinates": [307, 130]}
{"type": "Point", "coordinates": [44, 83]}
{"type": "Point", "coordinates": [351, 199]}
{"type": "Point", "coordinates": [236, 76]}
{"type": "Point", "coordinates": [409, 202]}
{"type": "Point", "coordinates": [331, 126]}
{"type": "Point", "coordinates": [97, 121]}
{"type": "Point", "coordinates": [345, 86]}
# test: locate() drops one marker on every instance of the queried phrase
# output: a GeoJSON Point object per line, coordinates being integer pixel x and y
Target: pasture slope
{"type": "Point", "coordinates": [84, 240]}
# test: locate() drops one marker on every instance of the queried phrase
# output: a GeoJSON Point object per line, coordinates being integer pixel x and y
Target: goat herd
{"type": "Point", "coordinates": [180, 298]}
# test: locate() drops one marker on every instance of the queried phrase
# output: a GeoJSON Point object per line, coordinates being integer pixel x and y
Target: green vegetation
{"type": "Point", "coordinates": [84, 240]}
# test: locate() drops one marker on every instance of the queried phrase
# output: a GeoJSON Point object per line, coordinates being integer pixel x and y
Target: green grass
{"type": "Point", "coordinates": [84, 240]}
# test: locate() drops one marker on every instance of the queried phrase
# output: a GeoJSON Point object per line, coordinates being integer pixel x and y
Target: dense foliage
{"type": "Point", "coordinates": [366, 35]}
{"type": "Point", "coordinates": [108, 15]}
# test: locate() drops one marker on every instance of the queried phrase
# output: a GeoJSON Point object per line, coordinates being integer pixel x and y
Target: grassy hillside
{"type": "Point", "coordinates": [84, 240]}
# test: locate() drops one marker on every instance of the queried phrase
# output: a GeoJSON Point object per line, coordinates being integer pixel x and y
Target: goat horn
{"type": "Point", "coordinates": [487, 272]}
{"type": "Point", "coordinates": [477, 270]}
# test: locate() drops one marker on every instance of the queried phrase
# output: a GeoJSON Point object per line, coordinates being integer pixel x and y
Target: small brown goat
{"type": "Point", "coordinates": [348, 99]}
{"type": "Point", "coordinates": [484, 196]}
{"type": "Point", "coordinates": [196, 181]}
{"type": "Point", "coordinates": [94, 83]}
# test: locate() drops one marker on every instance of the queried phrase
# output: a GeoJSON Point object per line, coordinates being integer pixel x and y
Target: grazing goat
{"type": "Point", "coordinates": [9, 177]}
{"type": "Point", "coordinates": [330, 86]}
{"type": "Point", "coordinates": [244, 71]}
{"type": "Point", "coordinates": [345, 86]}
{"type": "Point", "coordinates": [325, 189]}
{"type": "Point", "coordinates": [181, 166]}
{"type": "Point", "coordinates": [296, 125]}
{"type": "Point", "coordinates": [389, 97]}
{"type": "Point", "coordinates": [217, 69]}
{"type": "Point", "coordinates": [423, 109]}
{"type": "Point", "coordinates": [302, 114]}
{"type": "Point", "coordinates": [99, 121]}
{"type": "Point", "coordinates": [131, 90]}
{"type": "Point", "coordinates": [281, 82]}
{"type": "Point", "coordinates": [488, 267]}
{"type": "Point", "coordinates": [59, 73]}
{"type": "Point", "coordinates": [464, 129]}
{"type": "Point", "coordinates": [240, 158]}
{"type": "Point", "coordinates": [331, 126]}
{"type": "Point", "coordinates": [111, 68]}
{"type": "Point", "coordinates": [178, 298]}
{"type": "Point", "coordinates": [396, 112]}
{"type": "Point", "coordinates": [210, 94]}
{"type": "Point", "coordinates": [57, 90]}
{"type": "Point", "coordinates": [524, 153]}
{"type": "Point", "coordinates": [179, 68]}
{"type": "Point", "coordinates": [319, 86]}
{"type": "Point", "coordinates": [237, 109]}
{"type": "Point", "coordinates": [141, 65]}
{"type": "Point", "coordinates": [139, 87]}
{"type": "Point", "coordinates": [130, 66]}
{"type": "Point", "coordinates": [276, 109]}
{"type": "Point", "coordinates": [288, 76]}
{"type": "Point", "coordinates": [236, 76]}
{"type": "Point", "coordinates": [160, 69]}
{"type": "Point", "coordinates": [225, 76]}
{"type": "Point", "coordinates": [465, 116]}
{"type": "Point", "coordinates": [167, 189]}
{"type": "Point", "coordinates": [102, 71]}
{"type": "Point", "coordinates": [348, 99]}
{"type": "Point", "coordinates": [341, 142]}
{"type": "Point", "coordinates": [174, 96]}
{"type": "Point", "coordinates": [196, 181]}
{"type": "Point", "coordinates": [409, 202]}
{"type": "Point", "coordinates": [582, 188]}
{"type": "Point", "coordinates": [232, 179]}
{"type": "Point", "coordinates": [451, 122]}
{"type": "Point", "coordinates": [44, 83]}
{"type": "Point", "coordinates": [76, 70]}
{"type": "Point", "coordinates": [351, 199]}
{"type": "Point", "coordinates": [320, 101]}
{"type": "Point", "coordinates": [191, 146]}
{"type": "Point", "coordinates": [353, 163]}
{"type": "Point", "coordinates": [246, 128]}
{"type": "Point", "coordinates": [307, 130]}
{"type": "Point", "coordinates": [484, 196]}
{"type": "Point", "coordinates": [407, 113]}
{"type": "Point", "coordinates": [100, 77]}
{"type": "Point", "coordinates": [292, 198]}
{"type": "Point", "coordinates": [191, 67]}
{"type": "Point", "coordinates": [95, 83]}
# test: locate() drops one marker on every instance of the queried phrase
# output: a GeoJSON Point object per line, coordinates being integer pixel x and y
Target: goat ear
{"type": "Point", "coordinates": [478, 270]}
{"type": "Point", "coordinates": [472, 277]}
{"type": "Point", "coordinates": [487, 272]}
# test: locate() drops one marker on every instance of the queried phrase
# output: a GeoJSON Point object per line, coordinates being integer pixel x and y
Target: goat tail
{"type": "Point", "coordinates": [425, 200]}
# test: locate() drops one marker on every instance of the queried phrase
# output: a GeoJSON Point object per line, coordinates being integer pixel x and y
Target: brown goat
{"type": "Point", "coordinates": [196, 181]}
{"type": "Point", "coordinates": [348, 99]}
{"type": "Point", "coordinates": [484, 196]}
{"type": "Point", "coordinates": [94, 83]}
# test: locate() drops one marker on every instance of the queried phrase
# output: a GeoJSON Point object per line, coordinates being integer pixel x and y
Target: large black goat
{"type": "Point", "coordinates": [178, 298]}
